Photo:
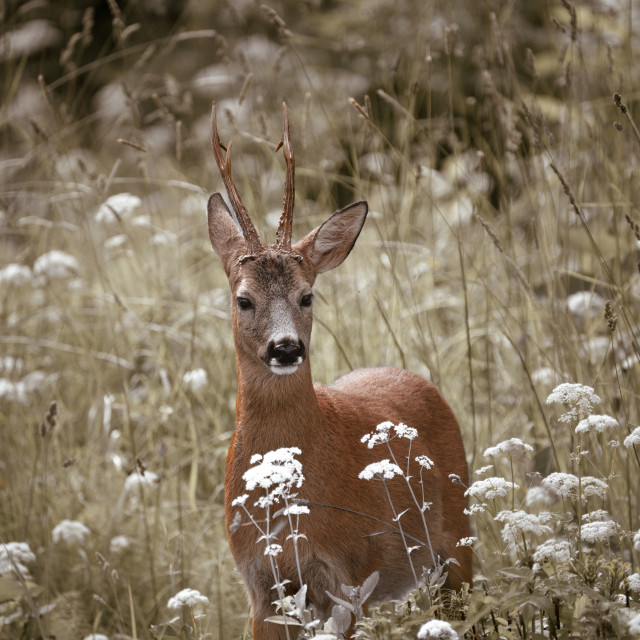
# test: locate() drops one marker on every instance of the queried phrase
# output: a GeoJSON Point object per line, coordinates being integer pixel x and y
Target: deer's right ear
{"type": "Point", "coordinates": [226, 238]}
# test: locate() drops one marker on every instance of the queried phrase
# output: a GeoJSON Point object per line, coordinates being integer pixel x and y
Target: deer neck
{"type": "Point", "coordinates": [274, 411]}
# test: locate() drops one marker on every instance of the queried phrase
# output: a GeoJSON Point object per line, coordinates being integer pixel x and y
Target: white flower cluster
{"type": "Point", "coordinates": [137, 479]}
{"type": "Point", "coordinates": [71, 532]}
{"type": "Point", "coordinates": [277, 468]}
{"type": "Point", "coordinates": [633, 438]}
{"type": "Point", "coordinates": [566, 485]}
{"type": "Point", "coordinates": [120, 206]}
{"type": "Point", "coordinates": [596, 423]}
{"type": "Point", "coordinates": [490, 488]}
{"type": "Point", "coordinates": [187, 598]}
{"type": "Point", "coordinates": [554, 551]}
{"type": "Point", "coordinates": [383, 433]}
{"type": "Point", "coordinates": [512, 448]}
{"type": "Point", "coordinates": [519, 523]}
{"type": "Point", "coordinates": [437, 630]}
{"type": "Point", "coordinates": [598, 531]}
{"type": "Point", "coordinates": [14, 556]}
{"type": "Point", "coordinates": [578, 397]}
{"type": "Point", "coordinates": [384, 469]}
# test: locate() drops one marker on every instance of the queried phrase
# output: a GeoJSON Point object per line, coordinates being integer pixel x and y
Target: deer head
{"type": "Point", "coordinates": [271, 285]}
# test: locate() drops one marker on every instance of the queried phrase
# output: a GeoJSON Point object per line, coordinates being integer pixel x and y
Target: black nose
{"type": "Point", "coordinates": [286, 352]}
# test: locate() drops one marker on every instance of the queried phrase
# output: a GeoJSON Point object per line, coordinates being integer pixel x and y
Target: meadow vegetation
{"type": "Point", "coordinates": [495, 143]}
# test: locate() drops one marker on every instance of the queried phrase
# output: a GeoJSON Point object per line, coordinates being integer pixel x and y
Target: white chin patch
{"type": "Point", "coordinates": [284, 370]}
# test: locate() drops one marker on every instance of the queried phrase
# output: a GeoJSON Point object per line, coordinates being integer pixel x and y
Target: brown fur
{"type": "Point", "coordinates": [346, 540]}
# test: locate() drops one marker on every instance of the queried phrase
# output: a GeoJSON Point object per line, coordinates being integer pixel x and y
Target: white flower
{"type": "Point", "coordinates": [437, 630]}
{"type": "Point", "coordinates": [556, 551]}
{"type": "Point", "coordinates": [13, 391]}
{"type": "Point", "coordinates": [490, 488]}
{"type": "Point", "coordinates": [117, 207]}
{"type": "Point", "coordinates": [119, 544]}
{"type": "Point", "coordinates": [380, 435]}
{"type": "Point", "coordinates": [585, 304]}
{"type": "Point", "coordinates": [512, 447]}
{"type": "Point", "coordinates": [580, 398]}
{"type": "Point", "coordinates": [383, 469]}
{"type": "Point", "coordinates": [15, 275]}
{"type": "Point", "coordinates": [634, 582]}
{"type": "Point", "coordinates": [405, 432]}
{"type": "Point", "coordinates": [56, 265]}
{"type": "Point", "coordinates": [467, 542]}
{"type": "Point", "coordinates": [596, 516]}
{"type": "Point", "coordinates": [541, 494]}
{"type": "Point", "coordinates": [196, 379]}
{"type": "Point", "coordinates": [240, 500]}
{"type": "Point", "coordinates": [597, 423]}
{"type": "Point", "coordinates": [295, 510]}
{"type": "Point", "coordinates": [96, 636]}
{"type": "Point", "coordinates": [566, 485]}
{"type": "Point", "coordinates": [483, 470]}
{"type": "Point", "coordinates": [138, 479]}
{"type": "Point", "coordinates": [598, 531]}
{"type": "Point", "coordinates": [518, 523]}
{"type": "Point", "coordinates": [636, 541]}
{"type": "Point", "coordinates": [633, 438]}
{"type": "Point", "coordinates": [277, 467]}
{"type": "Point", "coordinates": [187, 598]}
{"type": "Point", "coordinates": [13, 557]}
{"type": "Point", "coordinates": [71, 532]}
{"type": "Point", "coordinates": [273, 550]}
{"type": "Point", "coordinates": [425, 462]}
{"type": "Point", "coordinates": [634, 626]}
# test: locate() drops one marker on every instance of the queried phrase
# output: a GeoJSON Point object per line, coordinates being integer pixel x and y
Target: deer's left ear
{"type": "Point", "coordinates": [329, 244]}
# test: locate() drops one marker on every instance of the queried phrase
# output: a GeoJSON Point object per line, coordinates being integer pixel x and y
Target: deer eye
{"type": "Point", "coordinates": [244, 303]}
{"type": "Point", "coordinates": [306, 300]}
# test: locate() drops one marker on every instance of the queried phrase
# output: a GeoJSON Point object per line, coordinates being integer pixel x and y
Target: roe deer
{"type": "Point", "coordinates": [349, 530]}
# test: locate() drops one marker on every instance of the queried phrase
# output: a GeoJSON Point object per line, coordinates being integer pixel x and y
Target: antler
{"type": "Point", "coordinates": [254, 246]}
{"type": "Point", "coordinates": [283, 236]}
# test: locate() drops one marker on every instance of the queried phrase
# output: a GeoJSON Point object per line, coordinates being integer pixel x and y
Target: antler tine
{"type": "Point", "coordinates": [254, 246]}
{"type": "Point", "coordinates": [283, 237]}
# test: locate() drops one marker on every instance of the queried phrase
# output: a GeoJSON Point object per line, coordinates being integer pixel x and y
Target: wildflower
{"type": "Point", "coordinates": [13, 557]}
{"type": "Point", "coordinates": [580, 398]}
{"type": "Point", "coordinates": [96, 636]}
{"type": "Point", "coordinates": [196, 379]}
{"type": "Point", "coordinates": [437, 630]}
{"type": "Point", "coordinates": [634, 626]}
{"type": "Point", "coordinates": [12, 391]}
{"type": "Point", "coordinates": [273, 550]}
{"type": "Point", "coordinates": [633, 438]}
{"type": "Point", "coordinates": [484, 470]}
{"type": "Point", "coordinates": [633, 581]}
{"type": "Point", "coordinates": [518, 523]}
{"type": "Point", "coordinates": [384, 469]}
{"type": "Point", "coordinates": [380, 435]}
{"type": "Point", "coordinates": [598, 531]}
{"type": "Point", "coordinates": [119, 544]}
{"type": "Point", "coordinates": [277, 467]}
{"type": "Point", "coordinates": [514, 447]}
{"type": "Point", "coordinates": [541, 494]}
{"type": "Point", "coordinates": [585, 304]}
{"type": "Point", "coordinates": [55, 265]}
{"type": "Point", "coordinates": [405, 432]}
{"type": "Point", "coordinates": [425, 462]}
{"type": "Point", "coordinates": [120, 206]}
{"type": "Point", "coordinates": [597, 423]}
{"type": "Point", "coordinates": [295, 510]}
{"type": "Point", "coordinates": [240, 500]}
{"type": "Point", "coordinates": [467, 542]}
{"type": "Point", "coordinates": [478, 507]}
{"type": "Point", "coordinates": [15, 275]}
{"type": "Point", "coordinates": [596, 516]}
{"type": "Point", "coordinates": [552, 550]}
{"type": "Point", "coordinates": [636, 541]}
{"type": "Point", "coordinates": [71, 532]}
{"type": "Point", "coordinates": [566, 485]}
{"type": "Point", "coordinates": [490, 488]}
{"type": "Point", "coordinates": [187, 598]}
{"type": "Point", "coordinates": [139, 479]}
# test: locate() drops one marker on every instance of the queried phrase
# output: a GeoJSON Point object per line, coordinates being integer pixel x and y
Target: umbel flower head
{"type": "Point", "coordinates": [187, 598]}
{"type": "Point", "coordinates": [579, 398]}
{"type": "Point", "coordinates": [277, 467]}
{"type": "Point", "coordinates": [512, 448]}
